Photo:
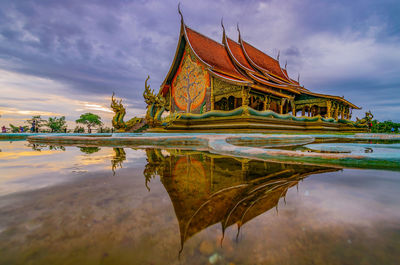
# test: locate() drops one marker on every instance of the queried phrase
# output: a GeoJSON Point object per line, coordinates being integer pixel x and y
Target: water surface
{"type": "Point", "coordinates": [103, 205]}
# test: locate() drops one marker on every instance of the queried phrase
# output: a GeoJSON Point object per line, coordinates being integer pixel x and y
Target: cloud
{"type": "Point", "coordinates": [43, 97]}
{"type": "Point", "coordinates": [85, 50]}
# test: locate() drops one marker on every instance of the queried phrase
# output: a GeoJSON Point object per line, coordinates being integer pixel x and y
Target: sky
{"type": "Point", "coordinates": [67, 57]}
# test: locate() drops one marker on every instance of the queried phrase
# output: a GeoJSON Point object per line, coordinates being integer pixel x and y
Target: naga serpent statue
{"type": "Point", "coordinates": [118, 119]}
{"type": "Point", "coordinates": [156, 105]}
{"type": "Point", "coordinates": [364, 121]}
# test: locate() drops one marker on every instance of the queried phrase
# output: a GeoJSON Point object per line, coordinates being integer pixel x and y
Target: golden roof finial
{"type": "Point", "coordinates": [237, 27]}
{"type": "Point", "coordinates": [180, 12]}
{"type": "Point", "coordinates": [223, 30]}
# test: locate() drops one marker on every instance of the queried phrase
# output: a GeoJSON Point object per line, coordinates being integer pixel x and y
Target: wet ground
{"type": "Point", "coordinates": [104, 205]}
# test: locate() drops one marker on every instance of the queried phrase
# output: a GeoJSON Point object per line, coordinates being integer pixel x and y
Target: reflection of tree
{"type": "Point", "coordinates": [36, 147]}
{"type": "Point", "coordinates": [89, 149]}
{"type": "Point", "coordinates": [40, 147]}
{"type": "Point", "coordinates": [56, 147]}
{"type": "Point", "coordinates": [118, 158]}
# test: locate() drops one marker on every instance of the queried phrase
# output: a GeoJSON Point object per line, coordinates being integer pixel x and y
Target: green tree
{"type": "Point", "coordinates": [56, 124]}
{"type": "Point", "coordinates": [90, 120]}
{"type": "Point", "coordinates": [79, 129]}
{"type": "Point", "coordinates": [39, 122]}
{"type": "Point", "coordinates": [384, 127]}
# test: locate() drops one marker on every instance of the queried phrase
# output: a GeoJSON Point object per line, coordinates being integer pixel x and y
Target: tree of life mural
{"type": "Point", "coordinates": [189, 86]}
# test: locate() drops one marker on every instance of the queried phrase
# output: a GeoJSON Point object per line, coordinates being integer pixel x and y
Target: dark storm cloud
{"type": "Point", "coordinates": [96, 47]}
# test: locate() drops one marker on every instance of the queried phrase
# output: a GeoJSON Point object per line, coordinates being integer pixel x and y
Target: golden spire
{"type": "Point", "coordinates": [237, 27]}
{"type": "Point", "coordinates": [180, 13]}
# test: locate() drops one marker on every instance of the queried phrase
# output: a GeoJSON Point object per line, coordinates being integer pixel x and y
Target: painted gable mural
{"type": "Point", "coordinates": [190, 85]}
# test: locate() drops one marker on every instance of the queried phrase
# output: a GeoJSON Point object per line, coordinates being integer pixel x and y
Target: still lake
{"type": "Point", "coordinates": [104, 205]}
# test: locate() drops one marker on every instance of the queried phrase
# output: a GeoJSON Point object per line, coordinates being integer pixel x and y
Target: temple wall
{"type": "Point", "coordinates": [190, 86]}
{"type": "Point", "coordinates": [223, 91]}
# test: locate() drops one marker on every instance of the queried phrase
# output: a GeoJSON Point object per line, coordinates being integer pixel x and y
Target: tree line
{"type": "Point", "coordinates": [58, 124]}
{"type": "Point", "coordinates": [385, 127]}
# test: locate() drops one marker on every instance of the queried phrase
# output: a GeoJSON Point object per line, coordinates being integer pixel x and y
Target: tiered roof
{"type": "Point", "coordinates": [239, 63]}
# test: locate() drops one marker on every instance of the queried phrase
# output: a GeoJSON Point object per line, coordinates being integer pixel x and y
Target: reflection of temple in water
{"type": "Point", "coordinates": [206, 189]}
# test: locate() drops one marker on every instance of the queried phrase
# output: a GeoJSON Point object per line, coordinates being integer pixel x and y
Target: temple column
{"type": "Point", "coordinates": [303, 111]}
{"type": "Point", "coordinates": [212, 94]}
{"type": "Point", "coordinates": [328, 109]}
{"type": "Point", "coordinates": [336, 112]}
{"type": "Point", "coordinates": [245, 97]}
{"type": "Point", "coordinates": [281, 106]}
{"type": "Point", "coordinates": [245, 101]}
{"type": "Point", "coordinates": [342, 113]}
{"type": "Point", "coordinates": [265, 104]}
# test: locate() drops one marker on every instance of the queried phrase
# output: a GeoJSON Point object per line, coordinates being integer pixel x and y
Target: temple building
{"type": "Point", "coordinates": [234, 85]}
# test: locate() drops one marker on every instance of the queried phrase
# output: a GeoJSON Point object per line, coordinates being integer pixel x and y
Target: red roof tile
{"type": "Point", "coordinates": [263, 60]}
{"type": "Point", "coordinates": [237, 52]}
{"type": "Point", "coordinates": [212, 53]}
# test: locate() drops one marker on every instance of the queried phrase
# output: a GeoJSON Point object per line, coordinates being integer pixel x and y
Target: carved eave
{"type": "Point", "coordinates": [288, 78]}
{"type": "Point", "coordinates": [333, 97]}
{"type": "Point", "coordinates": [268, 77]}
{"type": "Point", "coordinates": [280, 86]}
{"type": "Point", "coordinates": [229, 79]}
{"type": "Point", "coordinates": [270, 91]}
{"type": "Point", "coordinates": [177, 58]}
{"type": "Point", "coordinates": [191, 48]}
{"type": "Point", "coordinates": [262, 70]}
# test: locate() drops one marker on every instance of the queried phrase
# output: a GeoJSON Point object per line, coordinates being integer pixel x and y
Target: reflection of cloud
{"type": "Point", "coordinates": [19, 155]}
{"type": "Point", "coordinates": [351, 198]}
{"type": "Point", "coordinates": [25, 169]}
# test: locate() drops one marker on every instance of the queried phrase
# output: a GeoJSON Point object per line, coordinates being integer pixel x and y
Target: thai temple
{"type": "Point", "coordinates": [233, 85]}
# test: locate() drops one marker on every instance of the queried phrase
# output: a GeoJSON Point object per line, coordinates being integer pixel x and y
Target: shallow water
{"type": "Point", "coordinates": [103, 205]}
